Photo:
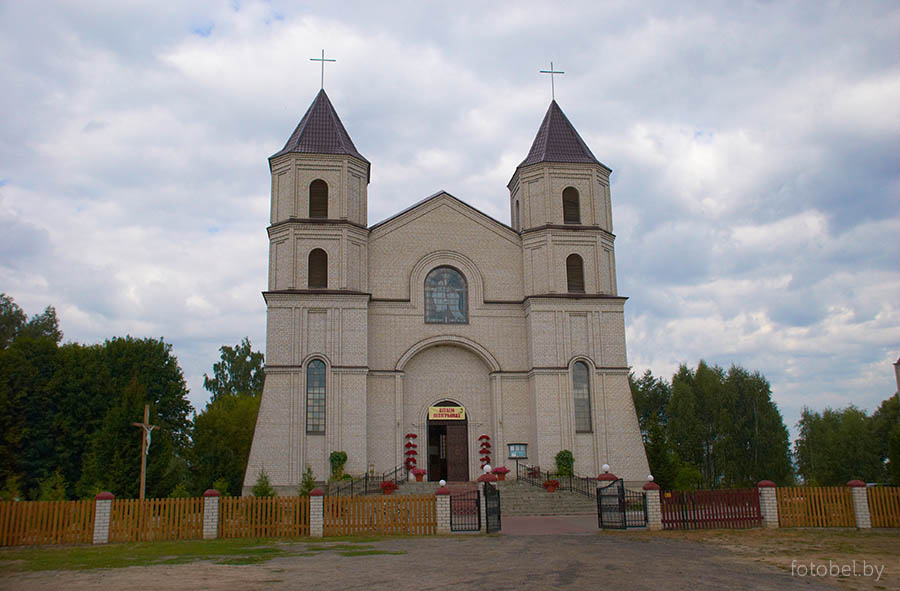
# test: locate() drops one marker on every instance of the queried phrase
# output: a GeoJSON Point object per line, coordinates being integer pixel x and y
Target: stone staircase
{"type": "Point", "coordinates": [517, 498]}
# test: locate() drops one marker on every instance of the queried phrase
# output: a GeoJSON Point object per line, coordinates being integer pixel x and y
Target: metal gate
{"type": "Point", "coordinates": [491, 507]}
{"type": "Point", "coordinates": [465, 511]}
{"type": "Point", "coordinates": [611, 505]}
{"type": "Point", "coordinates": [618, 508]}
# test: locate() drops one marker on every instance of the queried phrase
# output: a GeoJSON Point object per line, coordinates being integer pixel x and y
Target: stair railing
{"type": "Point", "coordinates": [533, 475]}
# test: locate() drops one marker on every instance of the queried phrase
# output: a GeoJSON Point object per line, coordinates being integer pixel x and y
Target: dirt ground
{"type": "Point", "coordinates": [627, 560]}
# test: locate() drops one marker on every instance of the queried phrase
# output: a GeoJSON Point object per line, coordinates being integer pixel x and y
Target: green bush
{"type": "Point", "coordinates": [307, 484]}
{"type": "Point", "coordinates": [337, 459]}
{"type": "Point", "coordinates": [221, 484]}
{"type": "Point", "coordinates": [179, 492]}
{"type": "Point", "coordinates": [52, 488]}
{"type": "Point", "coordinates": [262, 488]}
{"type": "Point", "coordinates": [565, 463]}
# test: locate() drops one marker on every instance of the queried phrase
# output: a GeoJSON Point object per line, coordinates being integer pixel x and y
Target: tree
{"type": "Point", "coordinates": [651, 400]}
{"type": "Point", "coordinates": [262, 488]}
{"type": "Point", "coordinates": [240, 372]}
{"type": "Point", "coordinates": [223, 433]}
{"type": "Point", "coordinates": [14, 323]}
{"type": "Point", "coordinates": [307, 483]}
{"type": "Point", "coordinates": [886, 429]}
{"type": "Point", "coordinates": [836, 446]}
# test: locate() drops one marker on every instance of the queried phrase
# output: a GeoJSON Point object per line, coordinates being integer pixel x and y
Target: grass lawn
{"type": "Point", "coordinates": [230, 551]}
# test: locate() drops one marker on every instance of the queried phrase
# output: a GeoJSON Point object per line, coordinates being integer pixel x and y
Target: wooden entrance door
{"type": "Point", "coordinates": [457, 451]}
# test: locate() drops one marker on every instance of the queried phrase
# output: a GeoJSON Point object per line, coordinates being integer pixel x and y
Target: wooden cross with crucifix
{"type": "Point", "coordinates": [552, 72]}
{"type": "Point", "coordinates": [323, 60]}
{"type": "Point", "coordinates": [145, 445]}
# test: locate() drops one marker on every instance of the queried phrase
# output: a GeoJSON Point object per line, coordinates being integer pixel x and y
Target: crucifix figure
{"type": "Point", "coordinates": [323, 60]}
{"type": "Point", "coordinates": [145, 445]}
{"type": "Point", "coordinates": [552, 72]}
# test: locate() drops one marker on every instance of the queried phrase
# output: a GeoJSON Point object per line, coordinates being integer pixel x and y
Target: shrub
{"type": "Point", "coordinates": [565, 463]}
{"type": "Point", "coordinates": [307, 484]}
{"type": "Point", "coordinates": [179, 492]}
{"type": "Point", "coordinates": [221, 485]}
{"type": "Point", "coordinates": [52, 488]}
{"type": "Point", "coordinates": [262, 488]}
{"type": "Point", "coordinates": [337, 460]}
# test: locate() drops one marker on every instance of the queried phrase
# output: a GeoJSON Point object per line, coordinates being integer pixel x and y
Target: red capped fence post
{"type": "Point", "coordinates": [316, 513]}
{"type": "Point", "coordinates": [860, 504]}
{"type": "Point", "coordinates": [102, 512]}
{"type": "Point", "coordinates": [768, 503]}
{"type": "Point", "coordinates": [211, 514]}
{"type": "Point", "coordinates": [654, 509]}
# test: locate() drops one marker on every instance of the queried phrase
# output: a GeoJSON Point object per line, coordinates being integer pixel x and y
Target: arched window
{"type": "Point", "coordinates": [581, 385]}
{"type": "Point", "coordinates": [575, 273]}
{"type": "Point", "coordinates": [571, 207]}
{"type": "Point", "coordinates": [317, 277]}
{"type": "Point", "coordinates": [315, 396]}
{"type": "Point", "coordinates": [318, 199]}
{"type": "Point", "coordinates": [446, 297]}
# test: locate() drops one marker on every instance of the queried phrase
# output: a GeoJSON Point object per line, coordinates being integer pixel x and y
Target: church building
{"type": "Point", "coordinates": [441, 329]}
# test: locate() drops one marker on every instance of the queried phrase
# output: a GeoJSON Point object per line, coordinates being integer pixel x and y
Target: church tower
{"type": "Point", "coordinates": [560, 206]}
{"type": "Point", "coordinates": [314, 400]}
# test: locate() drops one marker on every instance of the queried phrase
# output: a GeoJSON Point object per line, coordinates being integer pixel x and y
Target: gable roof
{"type": "Point", "coordinates": [557, 141]}
{"type": "Point", "coordinates": [432, 197]}
{"type": "Point", "coordinates": [320, 132]}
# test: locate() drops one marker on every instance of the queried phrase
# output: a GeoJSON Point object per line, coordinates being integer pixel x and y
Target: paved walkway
{"type": "Point", "coordinates": [538, 525]}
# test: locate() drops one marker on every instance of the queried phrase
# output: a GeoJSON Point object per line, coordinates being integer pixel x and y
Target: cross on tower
{"type": "Point", "coordinates": [323, 60]}
{"type": "Point", "coordinates": [551, 71]}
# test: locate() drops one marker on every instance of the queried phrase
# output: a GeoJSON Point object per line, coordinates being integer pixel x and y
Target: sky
{"type": "Point", "coordinates": [755, 149]}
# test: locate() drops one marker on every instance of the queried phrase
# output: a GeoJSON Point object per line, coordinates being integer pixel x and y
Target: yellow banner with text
{"type": "Point", "coordinates": [446, 413]}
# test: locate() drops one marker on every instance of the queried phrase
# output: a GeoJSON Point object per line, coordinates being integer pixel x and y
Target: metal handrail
{"type": "Point", "coordinates": [370, 483]}
{"type": "Point", "coordinates": [534, 476]}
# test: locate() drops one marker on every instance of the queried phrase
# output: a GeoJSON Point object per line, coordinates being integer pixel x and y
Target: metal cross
{"type": "Point", "coordinates": [323, 60]}
{"type": "Point", "coordinates": [551, 71]}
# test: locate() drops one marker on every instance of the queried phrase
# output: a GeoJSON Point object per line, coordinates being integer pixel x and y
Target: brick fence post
{"type": "Point", "coordinates": [768, 503]}
{"type": "Point", "coordinates": [860, 504]}
{"type": "Point", "coordinates": [654, 510]}
{"type": "Point", "coordinates": [211, 514]}
{"type": "Point", "coordinates": [102, 511]}
{"type": "Point", "coordinates": [442, 498]}
{"type": "Point", "coordinates": [317, 513]}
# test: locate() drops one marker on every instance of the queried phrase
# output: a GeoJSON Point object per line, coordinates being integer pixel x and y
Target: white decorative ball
{"type": "Point", "coordinates": [606, 467]}
{"type": "Point", "coordinates": [443, 483]}
{"type": "Point", "coordinates": [650, 477]}
{"type": "Point", "coordinates": [487, 468]}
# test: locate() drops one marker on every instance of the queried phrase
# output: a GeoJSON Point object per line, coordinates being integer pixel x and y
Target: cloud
{"type": "Point", "coordinates": [754, 146]}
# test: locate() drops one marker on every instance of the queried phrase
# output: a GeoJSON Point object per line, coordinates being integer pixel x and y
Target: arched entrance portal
{"type": "Point", "coordinates": [448, 442]}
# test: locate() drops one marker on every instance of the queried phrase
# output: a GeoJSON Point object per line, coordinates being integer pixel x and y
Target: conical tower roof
{"type": "Point", "coordinates": [557, 141]}
{"type": "Point", "coordinates": [320, 132]}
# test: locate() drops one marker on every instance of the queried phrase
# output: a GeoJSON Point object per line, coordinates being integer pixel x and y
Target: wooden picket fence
{"type": "Point", "coordinates": [263, 517]}
{"type": "Point", "coordinates": [46, 522]}
{"type": "Point", "coordinates": [826, 506]}
{"type": "Point", "coordinates": [383, 514]}
{"type": "Point", "coordinates": [151, 520]}
{"type": "Point", "coordinates": [884, 506]}
{"type": "Point", "coordinates": [708, 509]}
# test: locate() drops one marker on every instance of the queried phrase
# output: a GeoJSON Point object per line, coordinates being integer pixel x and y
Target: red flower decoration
{"type": "Point", "coordinates": [411, 444]}
{"type": "Point", "coordinates": [485, 444]}
{"type": "Point", "coordinates": [484, 437]}
{"type": "Point", "coordinates": [411, 435]}
{"type": "Point", "coordinates": [411, 452]}
{"type": "Point", "coordinates": [486, 459]}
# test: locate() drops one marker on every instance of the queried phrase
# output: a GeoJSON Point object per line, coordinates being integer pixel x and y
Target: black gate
{"type": "Point", "coordinates": [611, 505]}
{"type": "Point", "coordinates": [465, 511]}
{"type": "Point", "coordinates": [491, 507]}
{"type": "Point", "coordinates": [618, 508]}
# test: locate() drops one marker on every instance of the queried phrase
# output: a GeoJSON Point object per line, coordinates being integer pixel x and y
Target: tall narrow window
{"type": "Point", "coordinates": [571, 206]}
{"type": "Point", "coordinates": [446, 297]}
{"type": "Point", "coordinates": [318, 199]}
{"type": "Point", "coordinates": [518, 218]}
{"type": "Point", "coordinates": [315, 396]}
{"type": "Point", "coordinates": [318, 269]}
{"type": "Point", "coordinates": [581, 385]}
{"type": "Point", "coordinates": [575, 273]}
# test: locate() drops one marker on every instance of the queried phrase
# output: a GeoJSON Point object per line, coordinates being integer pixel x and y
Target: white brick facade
{"type": "Point", "coordinates": [510, 365]}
